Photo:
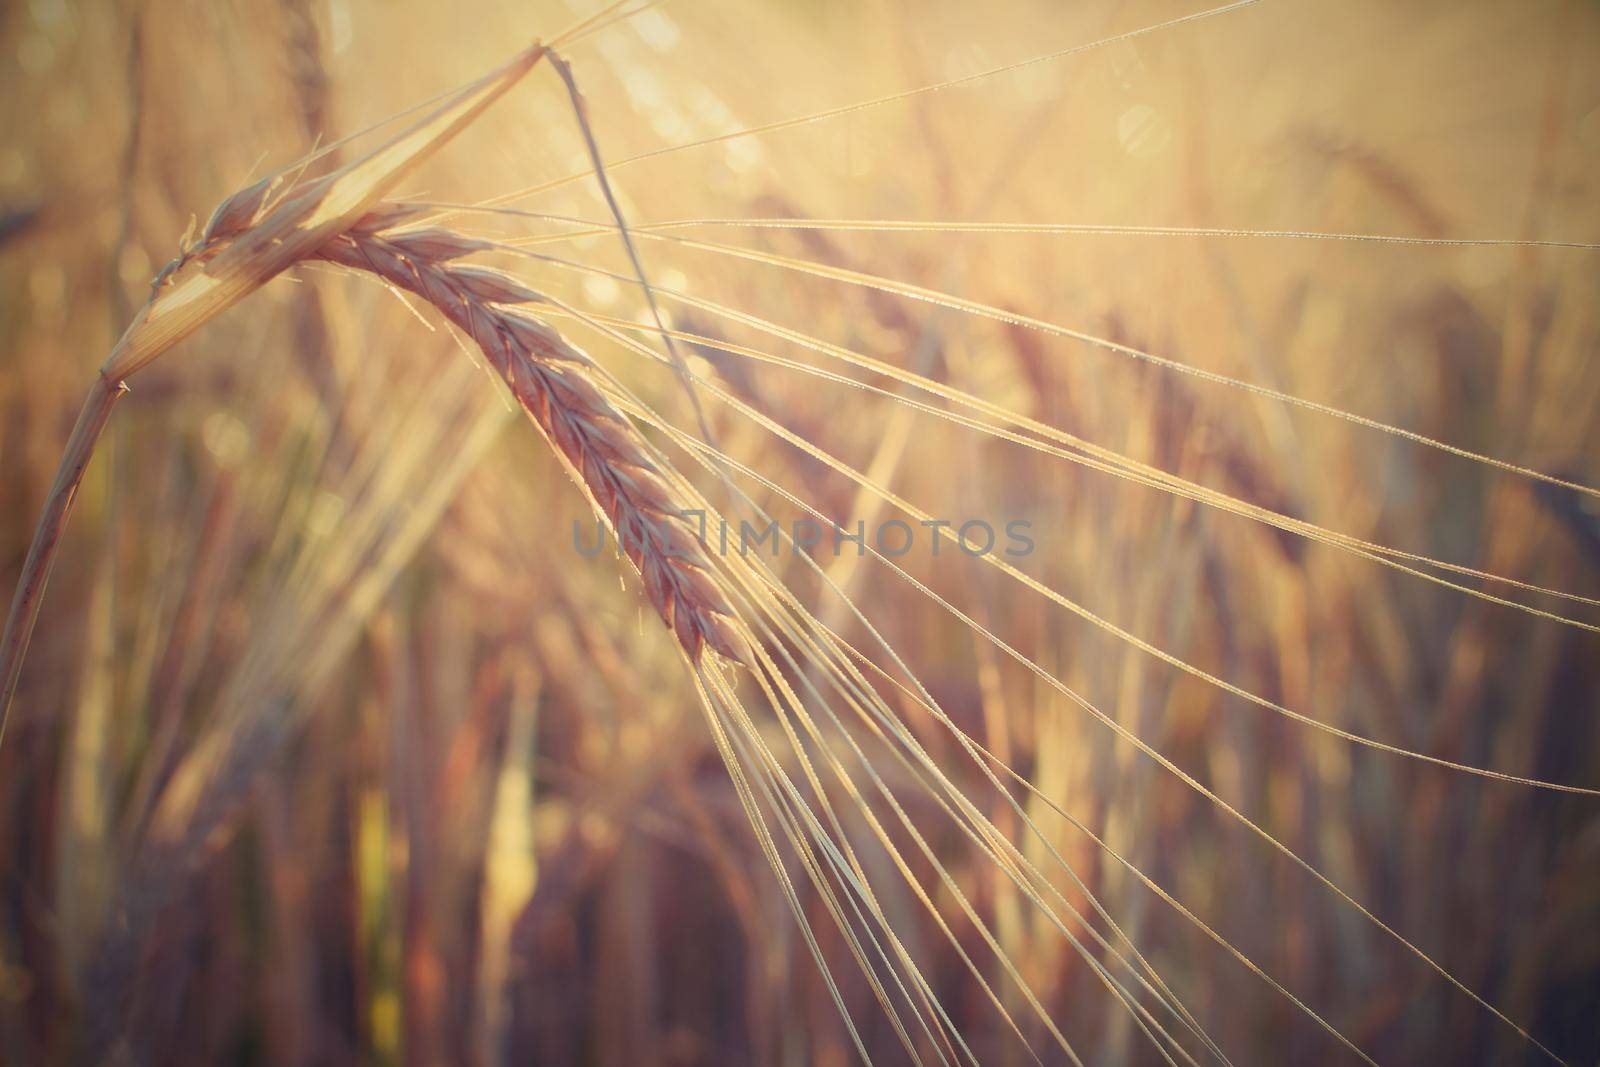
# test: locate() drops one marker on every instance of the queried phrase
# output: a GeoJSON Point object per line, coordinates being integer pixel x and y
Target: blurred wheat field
{"type": "Point", "coordinates": [332, 747]}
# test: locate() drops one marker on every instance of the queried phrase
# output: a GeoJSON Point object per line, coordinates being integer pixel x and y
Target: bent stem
{"type": "Point", "coordinates": [47, 538]}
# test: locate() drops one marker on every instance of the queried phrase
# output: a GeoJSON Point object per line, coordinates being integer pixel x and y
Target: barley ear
{"type": "Point", "coordinates": [555, 383]}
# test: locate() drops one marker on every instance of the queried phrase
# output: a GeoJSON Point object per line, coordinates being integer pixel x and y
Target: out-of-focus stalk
{"type": "Point", "coordinates": [47, 537]}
